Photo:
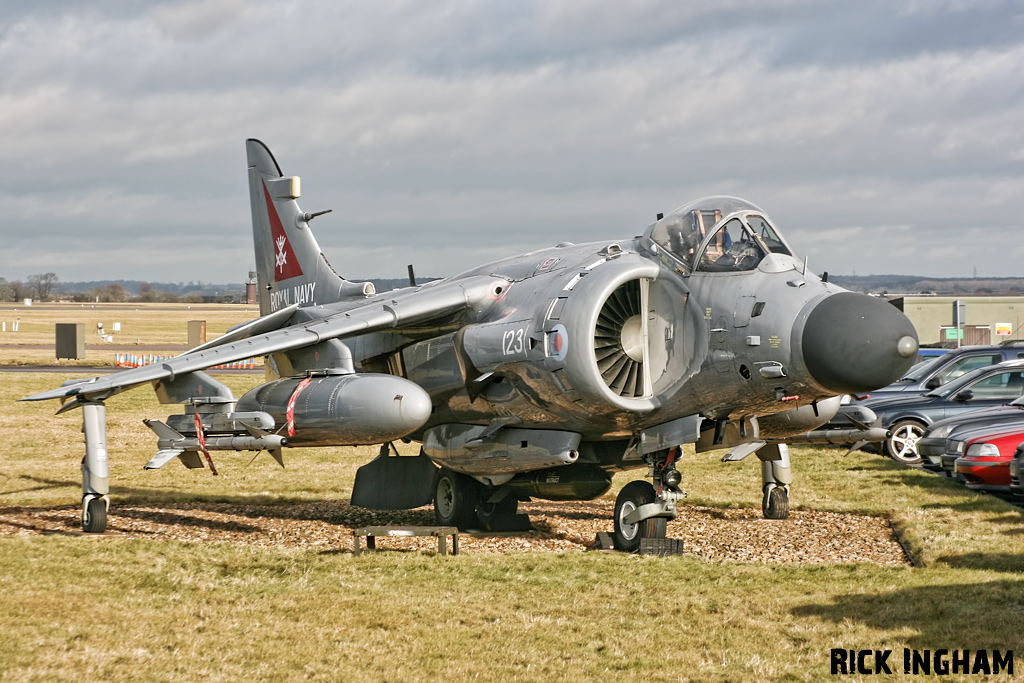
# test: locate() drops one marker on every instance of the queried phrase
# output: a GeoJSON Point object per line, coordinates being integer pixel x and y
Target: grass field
{"type": "Point", "coordinates": [147, 324]}
{"type": "Point", "coordinates": [78, 608]}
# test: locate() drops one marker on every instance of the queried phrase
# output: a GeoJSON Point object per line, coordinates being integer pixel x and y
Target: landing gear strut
{"type": "Point", "coordinates": [641, 510]}
{"type": "Point", "coordinates": [95, 469]}
{"type": "Point", "coordinates": [462, 501]}
{"type": "Point", "coordinates": [776, 477]}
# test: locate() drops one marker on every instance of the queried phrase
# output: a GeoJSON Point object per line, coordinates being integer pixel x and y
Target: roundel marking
{"type": "Point", "coordinates": [558, 342]}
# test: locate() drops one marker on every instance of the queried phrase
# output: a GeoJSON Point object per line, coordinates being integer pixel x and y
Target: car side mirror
{"type": "Point", "coordinates": [933, 383]}
{"type": "Point", "coordinates": [965, 395]}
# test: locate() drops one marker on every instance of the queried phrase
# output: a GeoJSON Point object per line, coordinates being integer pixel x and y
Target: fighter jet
{"type": "Point", "coordinates": [537, 376]}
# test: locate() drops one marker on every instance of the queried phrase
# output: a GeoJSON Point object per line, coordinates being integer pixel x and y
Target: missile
{"type": "Point", "coordinates": [173, 444]}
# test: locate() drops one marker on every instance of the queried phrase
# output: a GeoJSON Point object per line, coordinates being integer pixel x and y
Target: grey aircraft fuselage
{"type": "Point", "coordinates": [533, 376]}
{"type": "Point", "coordinates": [725, 345]}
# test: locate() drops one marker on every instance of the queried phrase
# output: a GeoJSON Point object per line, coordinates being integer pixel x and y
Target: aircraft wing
{"type": "Point", "coordinates": [423, 305]}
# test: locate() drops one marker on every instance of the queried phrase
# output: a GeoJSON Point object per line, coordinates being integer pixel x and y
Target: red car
{"type": "Point", "coordinates": [985, 465]}
{"type": "Point", "coordinates": [1017, 474]}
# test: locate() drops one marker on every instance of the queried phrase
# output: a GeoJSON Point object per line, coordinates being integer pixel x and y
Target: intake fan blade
{"type": "Point", "coordinates": [618, 343]}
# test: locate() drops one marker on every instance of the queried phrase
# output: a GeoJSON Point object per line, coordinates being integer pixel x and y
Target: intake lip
{"type": "Point", "coordinates": [854, 343]}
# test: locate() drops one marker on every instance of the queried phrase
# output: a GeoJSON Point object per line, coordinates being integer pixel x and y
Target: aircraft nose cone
{"type": "Point", "coordinates": [854, 343]}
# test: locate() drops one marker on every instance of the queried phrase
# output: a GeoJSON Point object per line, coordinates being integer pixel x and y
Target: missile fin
{"type": "Point", "coordinates": [163, 457]}
{"type": "Point", "coordinates": [278, 456]}
{"type": "Point", "coordinates": [163, 431]}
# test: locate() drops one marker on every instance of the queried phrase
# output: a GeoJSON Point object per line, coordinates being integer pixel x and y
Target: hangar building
{"type": "Point", "coordinates": [987, 319]}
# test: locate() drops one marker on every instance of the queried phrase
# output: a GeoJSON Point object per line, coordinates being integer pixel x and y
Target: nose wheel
{"type": "Point", "coordinates": [628, 530]}
{"type": "Point", "coordinates": [641, 510]}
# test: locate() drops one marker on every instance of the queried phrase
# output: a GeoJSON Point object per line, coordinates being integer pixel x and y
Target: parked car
{"type": "Point", "coordinates": [933, 443]}
{"type": "Point", "coordinates": [959, 441]}
{"type": "Point", "coordinates": [985, 464]}
{"type": "Point", "coordinates": [1017, 473]}
{"type": "Point", "coordinates": [942, 369]}
{"type": "Point", "coordinates": [927, 353]}
{"type": "Point", "coordinates": [907, 417]}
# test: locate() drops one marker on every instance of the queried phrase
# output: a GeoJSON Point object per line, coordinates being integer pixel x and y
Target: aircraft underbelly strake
{"type": "Point", "coordinates": [472, 450]}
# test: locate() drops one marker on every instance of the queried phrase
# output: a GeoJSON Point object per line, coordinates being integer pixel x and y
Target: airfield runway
{"type": "Point", "coordinates": [731, 535]}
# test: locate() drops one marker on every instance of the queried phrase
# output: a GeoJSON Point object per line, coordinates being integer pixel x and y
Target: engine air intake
{"type": "Point", "coordinates": [619, 344]}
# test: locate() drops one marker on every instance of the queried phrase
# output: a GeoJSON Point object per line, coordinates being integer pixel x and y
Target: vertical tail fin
{"type": "Point", "coordinates": [290, 267]}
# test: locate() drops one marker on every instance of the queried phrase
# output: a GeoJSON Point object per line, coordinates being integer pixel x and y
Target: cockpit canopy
{"type": "Point", "coordinates": [717, 234]}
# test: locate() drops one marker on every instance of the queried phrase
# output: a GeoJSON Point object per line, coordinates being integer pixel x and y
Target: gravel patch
{"type": "Point", "coordinates": [729, 535]}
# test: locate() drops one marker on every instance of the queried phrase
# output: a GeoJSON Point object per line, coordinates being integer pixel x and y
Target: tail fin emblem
{"type": "Point", "coordinates": [281, 260]}
{"type": "Point", "coordinates": [283, 267]}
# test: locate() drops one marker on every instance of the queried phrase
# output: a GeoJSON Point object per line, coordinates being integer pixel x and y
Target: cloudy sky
{"type": "Point", "coordinates": [881, 136]}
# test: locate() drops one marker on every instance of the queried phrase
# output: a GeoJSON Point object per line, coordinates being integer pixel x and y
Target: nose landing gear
{"type": "Point", "coordinates": [641, 510]}
{"type": "Point", "coordinates": [776, 477]}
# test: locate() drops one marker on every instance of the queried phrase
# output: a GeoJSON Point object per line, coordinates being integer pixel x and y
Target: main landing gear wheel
{"type": "Point", "coordinates": [627, 536]}
{"type": "Point", "coordinates": [902, 442]}
{"type": "Point", "coordinates": [94, 516]}
{"type": "Point", "coordinates": [493, 515]}
{"type": "Point", "coordinates": [776, 504]}
{"type": "Point", "coordinates": [455, 499]}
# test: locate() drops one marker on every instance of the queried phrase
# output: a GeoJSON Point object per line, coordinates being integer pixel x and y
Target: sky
{"type": "Point", "coordinates": [881, 136]}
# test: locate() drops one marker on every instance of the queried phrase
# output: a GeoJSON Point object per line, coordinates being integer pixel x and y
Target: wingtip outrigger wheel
{"type": "Point", "coordinates": [94, 514]}
{"type": "Point", "coordinates": [95, 468]}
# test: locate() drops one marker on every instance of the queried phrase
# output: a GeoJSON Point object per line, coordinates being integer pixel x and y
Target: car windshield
{"type": "Point", "coordinates": [922, 369]}
{"type": "Point", "coordinates": [735, 233]}
{"type": "Point", "coordinates": [957, 384]}
{"type": "Point", "coordinates": [961, 382]}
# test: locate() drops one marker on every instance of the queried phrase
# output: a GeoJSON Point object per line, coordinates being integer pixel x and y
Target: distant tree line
{"type": "Point", "coordinates": [48, 287]}
{"type": "Point", "coordinates": [891, 284]}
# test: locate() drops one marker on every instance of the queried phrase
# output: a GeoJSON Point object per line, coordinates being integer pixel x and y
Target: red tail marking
{"type": "Point", "coordinates": [286, 266]}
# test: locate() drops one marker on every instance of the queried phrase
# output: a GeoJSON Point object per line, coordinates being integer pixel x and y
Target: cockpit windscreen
{"type": "Point", "coordinates": [740, 243]}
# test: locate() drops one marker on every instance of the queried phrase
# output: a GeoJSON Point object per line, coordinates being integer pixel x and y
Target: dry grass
{"type": "Point", "coordinates": [78, 609]}
{"type": "Point", "coordinates": [97, 608]}
{"type": "Point", "coordinates": [162, 324]}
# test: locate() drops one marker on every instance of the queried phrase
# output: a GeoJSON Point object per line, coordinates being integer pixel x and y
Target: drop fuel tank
{"type": "Point", "coordinates": [341, 410]}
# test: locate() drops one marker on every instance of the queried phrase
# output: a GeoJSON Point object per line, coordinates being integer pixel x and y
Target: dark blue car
{"type": "Point", "coordinates": [907, 417]}
{"type": "Point", "coordinates": [939, 370]}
